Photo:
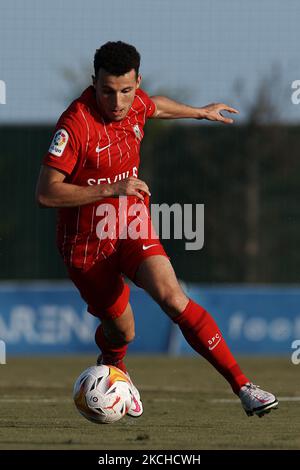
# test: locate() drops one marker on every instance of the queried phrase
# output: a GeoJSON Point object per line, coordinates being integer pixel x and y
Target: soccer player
{"type": "Point", "coordinates": [92, 161]}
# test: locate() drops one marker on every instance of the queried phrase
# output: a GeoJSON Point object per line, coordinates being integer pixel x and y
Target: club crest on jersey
{"type": "Point", "coordinates": [59, 142]}
{"type": "Point", "coordinates": [137, 131]}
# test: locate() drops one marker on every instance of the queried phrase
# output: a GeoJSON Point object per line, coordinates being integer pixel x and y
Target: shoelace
{"type": "Point", "coordinates": [251, 386]}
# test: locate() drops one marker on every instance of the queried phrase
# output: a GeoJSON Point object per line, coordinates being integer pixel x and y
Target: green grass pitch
{"type": "Point", "coordinates": [187, 406]}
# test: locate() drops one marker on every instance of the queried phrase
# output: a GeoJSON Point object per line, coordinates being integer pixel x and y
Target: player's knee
{"type": "Point", "coordinates": [120, 337]}
{"type": "Point", "coordinates": [173, 301]}
{"type": "Point", "coordinates": [128, 336]}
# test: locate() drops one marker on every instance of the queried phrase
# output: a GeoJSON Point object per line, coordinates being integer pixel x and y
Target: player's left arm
{"type": "Point", "coordinates": [169, 109]}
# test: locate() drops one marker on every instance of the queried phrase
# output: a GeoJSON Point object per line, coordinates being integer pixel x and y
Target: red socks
{"type": "Point", "coordinates": [202, 333]}
{"type": "Point", "coordinates": [112, 354]}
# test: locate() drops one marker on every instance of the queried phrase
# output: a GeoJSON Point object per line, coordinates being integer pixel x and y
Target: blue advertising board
{"type": "Point", "coordinates": [253, 319]}
{"type": "Point", "coordinates": [51, 318]}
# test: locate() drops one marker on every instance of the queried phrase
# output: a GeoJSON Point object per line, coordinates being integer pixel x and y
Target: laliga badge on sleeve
{"type": "Point", "coordinates": [59, 142]}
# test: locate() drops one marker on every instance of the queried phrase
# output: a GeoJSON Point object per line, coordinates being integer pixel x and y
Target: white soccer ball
{"type": "Point", "coordinates": [102, 394]}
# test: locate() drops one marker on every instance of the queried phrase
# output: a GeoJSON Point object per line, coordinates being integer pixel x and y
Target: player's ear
{"type": "Point", "coordinates": [138, 81]}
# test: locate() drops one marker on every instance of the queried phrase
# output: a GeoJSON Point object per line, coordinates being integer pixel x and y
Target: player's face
{"type": "Point", "coordinates": [114, 94]}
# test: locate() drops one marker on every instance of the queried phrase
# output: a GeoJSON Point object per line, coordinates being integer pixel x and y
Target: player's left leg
{"type": "Point", "coordinates": [156, 275]}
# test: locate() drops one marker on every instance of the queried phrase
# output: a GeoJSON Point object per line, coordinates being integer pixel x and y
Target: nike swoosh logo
{"type": "Point", "coordinates": [99, 149]}
{"type": "Point", "coordinates": [213, 347]}
{"type": "Point", "coordinates": [260, 399]}
{"type": "Point", "coordinates": [137, 408]}
{"type": "Point", "coordinates": [146, 247]}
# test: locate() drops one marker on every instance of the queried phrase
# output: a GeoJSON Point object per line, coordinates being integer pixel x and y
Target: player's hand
{"type": "Point", "coordinates": [129, 187]}
{"type": "Point", "coordinates": [213, 112]}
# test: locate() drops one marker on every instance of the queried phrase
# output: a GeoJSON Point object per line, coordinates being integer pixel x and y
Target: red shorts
{"type": "Point", "coordinates": [103, 287]}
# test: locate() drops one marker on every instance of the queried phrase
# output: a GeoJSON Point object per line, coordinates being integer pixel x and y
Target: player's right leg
{"type": "Point", "coordinates": [104, 290]}
{"type": "Point", "coordinates": [107, 296]}
{"type": "Point", "coordinates": [113, 336]}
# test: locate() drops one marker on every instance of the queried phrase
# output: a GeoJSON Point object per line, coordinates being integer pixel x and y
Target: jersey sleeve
{"type": "Point", "coordinates": [151, 108]}
{"type": "Point", "coordinates": [64, 147]}
{"type": "Point", "coordinates": [150, 105]}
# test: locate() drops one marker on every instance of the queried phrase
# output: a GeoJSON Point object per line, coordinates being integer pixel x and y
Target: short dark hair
{"type": "Point", "coordinates": [117, 58]}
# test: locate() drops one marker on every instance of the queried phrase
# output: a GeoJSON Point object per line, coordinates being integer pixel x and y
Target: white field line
{"type": "Point", "coordinates": [64, 385]}
{"type": "Point", "coordinates": [69, 400]}
{"type": "Point", "coordinates": [236, 400]}
{"type": "Point", "coordinates": [34, 400]}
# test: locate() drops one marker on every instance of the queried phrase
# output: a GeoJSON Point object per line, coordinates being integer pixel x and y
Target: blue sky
{"type": "Point", "coordinates": [195, 50]}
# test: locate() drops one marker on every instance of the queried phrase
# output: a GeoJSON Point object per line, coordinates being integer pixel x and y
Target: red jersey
{"type": "Point", "coordinates": [92, 151]}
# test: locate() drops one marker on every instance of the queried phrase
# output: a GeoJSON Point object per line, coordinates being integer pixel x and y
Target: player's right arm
{"type": "Point", "coordinates": [53, 191]}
